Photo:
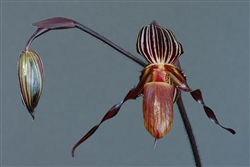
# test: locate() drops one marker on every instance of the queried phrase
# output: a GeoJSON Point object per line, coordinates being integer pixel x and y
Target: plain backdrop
{"type": "Point", "coordinates": [84, 78]}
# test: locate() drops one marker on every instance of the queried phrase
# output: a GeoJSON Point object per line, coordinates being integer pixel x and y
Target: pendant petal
{"type": "Point", "coordinates": [197, 95]}
{"type": "Point", "coordinates": [132, 94]}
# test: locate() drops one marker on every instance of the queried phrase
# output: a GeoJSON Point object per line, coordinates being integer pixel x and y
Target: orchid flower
{"type": "Point", "coordinates": [160, 84]}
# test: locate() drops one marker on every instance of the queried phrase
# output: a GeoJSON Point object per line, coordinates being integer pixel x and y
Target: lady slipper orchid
{"type": "Point", "coordinates": [30, 75]}
{"type": "Point", "coordinates": [160, 84]}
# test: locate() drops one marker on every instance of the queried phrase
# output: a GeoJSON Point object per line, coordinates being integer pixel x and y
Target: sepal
{"type": "Point", "coordinates": [55, 23]}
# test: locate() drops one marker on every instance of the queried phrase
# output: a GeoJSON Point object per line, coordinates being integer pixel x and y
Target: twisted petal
{"type": "Point", "coordinates": [158, 45]}
{"type": "Point", "coordinates": [179, 81]}
{"type": "Point", "coordinates": [30, 75]}
{"type": "Point", "coordinates": [132, 94]}
{"type": "Point", "coordinates": [197, 95]}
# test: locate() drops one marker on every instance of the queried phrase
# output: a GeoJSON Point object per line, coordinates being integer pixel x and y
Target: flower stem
{"type": "Point", "coordinates": [36, 34]}
{"type": "Point", "coordinates": [189, 131]}
{"type": "Point", "coordinates": [111, 44]}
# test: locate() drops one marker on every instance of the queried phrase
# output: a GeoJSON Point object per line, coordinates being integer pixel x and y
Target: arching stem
{"type": "Point", "coordinates": [111, 44]}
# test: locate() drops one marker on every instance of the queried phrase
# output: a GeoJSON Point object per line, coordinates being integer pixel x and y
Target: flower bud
{"type": "Point", "coordinates": [30, 75]}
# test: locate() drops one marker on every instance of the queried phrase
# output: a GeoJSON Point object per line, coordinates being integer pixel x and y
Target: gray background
{"type": "Point", "coordinates": [84, 78]}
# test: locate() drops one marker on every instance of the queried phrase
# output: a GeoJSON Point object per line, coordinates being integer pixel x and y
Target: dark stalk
{"type": "Point", "coordinates": [111, 44]}
{"type": "Point", "coordinates": [36, 34]}
{"type": "Point", "coordinates": [189, 131]}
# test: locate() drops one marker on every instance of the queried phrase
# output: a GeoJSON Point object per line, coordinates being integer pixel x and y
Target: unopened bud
{"type": "Point", "coordinates": [30, 75]}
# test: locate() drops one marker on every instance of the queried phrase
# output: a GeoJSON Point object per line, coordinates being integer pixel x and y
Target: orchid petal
{"type": "Point", "coordinates": [179, 81]}
{"type": "Point", "coordinates": [197, 95]}
{"type": "Point", "coordinates": [132, 94]}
